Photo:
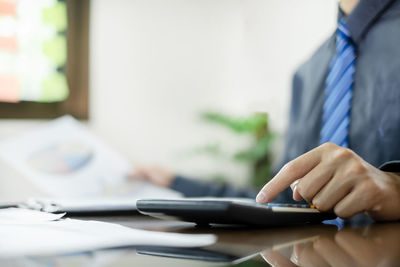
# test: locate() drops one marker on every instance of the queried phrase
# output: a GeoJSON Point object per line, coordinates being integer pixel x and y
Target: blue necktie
{"type": "Point", "coordinates": [339, 90]}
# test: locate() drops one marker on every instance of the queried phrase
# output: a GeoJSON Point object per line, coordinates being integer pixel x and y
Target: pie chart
{"type": "Point", "coordinates": [61, 158]}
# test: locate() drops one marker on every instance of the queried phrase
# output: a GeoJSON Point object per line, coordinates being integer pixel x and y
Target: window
{"type": "Point", "coordinates": [76, 69]}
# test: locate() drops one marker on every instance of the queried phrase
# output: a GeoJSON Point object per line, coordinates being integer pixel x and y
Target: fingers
{"type": "Point", "coordinates": [291, 172]}
{"type": "Point", "coordinates": [314, 181]}
{"type": "Point", "coordinates": [296, 194]}
{"type": "Point", "coordinates": [332, 177]}
{"type": "Point", "coordinates": [154, 174]}
{"type": "Point", "coordinates": [137, 173]}
{"type": "Point", "coordinates": [355, 202]}
{"type": "Point", "coordinates": [143, 172]}
{"type": "Point", "coordinates": [334, 191]}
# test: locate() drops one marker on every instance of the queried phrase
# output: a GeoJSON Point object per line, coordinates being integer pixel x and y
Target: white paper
{"type": "Point", "coordinates": [64, 159]}
{"type": "Point", "coordinates": [68, 236]}
{"type": "Point", "coordinates": [142, 190]}
{"type": "Point", "coordinates": [25, 216]}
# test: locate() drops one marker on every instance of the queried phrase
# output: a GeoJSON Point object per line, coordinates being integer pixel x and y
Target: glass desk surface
{"type": "Point", "coordinates": [376, 244]}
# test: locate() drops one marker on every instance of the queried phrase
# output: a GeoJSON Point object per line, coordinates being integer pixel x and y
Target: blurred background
{"type": "Point", "coordinates": [181, 83]}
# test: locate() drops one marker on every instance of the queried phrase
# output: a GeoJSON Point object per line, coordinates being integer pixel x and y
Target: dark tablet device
{"type": "Point", "coordinates": [232, 212]}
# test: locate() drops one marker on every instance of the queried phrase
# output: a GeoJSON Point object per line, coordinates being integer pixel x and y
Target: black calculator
{"type": "Point", "coordinates": [207, 211]}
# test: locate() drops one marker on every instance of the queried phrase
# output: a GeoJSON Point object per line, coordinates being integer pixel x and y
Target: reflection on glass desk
{"type": "Point", "coordinates": [312, 245]}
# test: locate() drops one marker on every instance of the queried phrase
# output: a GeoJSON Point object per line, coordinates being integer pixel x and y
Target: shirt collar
{"type": "Point", "coordinates": [364, 16]}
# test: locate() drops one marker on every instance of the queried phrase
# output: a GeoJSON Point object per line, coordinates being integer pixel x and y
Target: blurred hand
{"type": "Point", "coordinates": [154, 174]}
{"type": "Point", "coordinates": [335, 178]}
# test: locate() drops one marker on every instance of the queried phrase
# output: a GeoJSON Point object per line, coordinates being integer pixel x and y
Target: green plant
{"type": "Point", "coordinates": [258, 155]}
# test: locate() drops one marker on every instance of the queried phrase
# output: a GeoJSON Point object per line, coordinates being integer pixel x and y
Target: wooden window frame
{"type": "Point", "coordinates": [77, 71]}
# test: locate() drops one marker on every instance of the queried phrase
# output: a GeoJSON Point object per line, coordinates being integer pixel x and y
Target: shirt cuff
{"type": "Point", "coordinates": [391, 166]}
{"type": "Point", "coordinates": [188, 187]}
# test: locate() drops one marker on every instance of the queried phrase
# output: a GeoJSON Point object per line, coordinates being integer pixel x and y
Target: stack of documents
{"type": "Point", "coordinates": [33, 233]}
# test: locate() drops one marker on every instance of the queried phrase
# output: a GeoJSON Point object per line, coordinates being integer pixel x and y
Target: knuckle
{"type": "Point", "coordinates": [320, 205]}
{"type": "Point", "coordinates": [343, 154]}
{"type": "Point", "coordinates": [316, 203]}
{"type": "Point", "coordinates": [329, 146]}
{"type": "Point", "coordinates": [340, 212]}
{"type": "Point", "coordinates": [303, 191]}
{"type": "Point", "coordinates": [359, 168]}
{"type": "Point", "coordinates": [294, 184]}
{"type": "Point", "coordinates": [356, 169]}
{"type": "Point", "coordinates": [288, 166]}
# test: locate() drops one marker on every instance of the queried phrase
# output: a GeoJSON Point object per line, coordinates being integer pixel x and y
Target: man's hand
{"type": "Point", "coordinates": [335, 178]}
{"type": "Point", "coordinates": [153, 174]}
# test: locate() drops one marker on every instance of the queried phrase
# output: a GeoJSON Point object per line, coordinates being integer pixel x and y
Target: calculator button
{"type": "Point", "coordinates": [288, 205]}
